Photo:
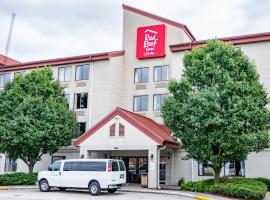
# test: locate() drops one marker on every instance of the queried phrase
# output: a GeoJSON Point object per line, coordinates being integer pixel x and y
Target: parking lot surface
{"type": "Point", "coordinates": [33, 194]}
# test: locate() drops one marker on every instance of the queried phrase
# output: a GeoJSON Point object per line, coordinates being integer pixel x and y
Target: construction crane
{"type": "Point", "coordinates": [9, 38]}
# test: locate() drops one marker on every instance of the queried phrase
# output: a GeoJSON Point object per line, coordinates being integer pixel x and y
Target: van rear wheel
{"type": "Point", "coordinates": [112, 190]}
{"type": "Point", "coordinates": [94, 188]}
{"type": "Point", "coordinates": [44, 185]}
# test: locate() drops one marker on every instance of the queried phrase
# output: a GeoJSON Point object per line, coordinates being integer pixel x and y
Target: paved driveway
{"type": "Point", "coordinates": [32, 194]}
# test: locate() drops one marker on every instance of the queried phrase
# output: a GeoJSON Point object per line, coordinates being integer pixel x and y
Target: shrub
{"type": "Point", "coordinates": [266, 181]}
{"type": "Point", "coordinates": [245, 188]}
{"type": "Point", "coordinates": [18, 179]}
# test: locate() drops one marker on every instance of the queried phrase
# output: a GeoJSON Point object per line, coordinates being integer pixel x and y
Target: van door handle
{"type": "Point", "coordinates": [59, 173]}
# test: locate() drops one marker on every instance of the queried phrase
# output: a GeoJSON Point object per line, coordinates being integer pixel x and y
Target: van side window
{"type": "Point", "coordinates": [67, 166]}
{"type": "Point", "coordinates": [122, 166]}
{"type": "Point", "coordinates": [56, 166]}
{"type": "Point", "coordinates": [94, 166]}
{"type": "Point", "coordinates": [84, 166]}
{"type": "Point", "coordinates": [115, 166]}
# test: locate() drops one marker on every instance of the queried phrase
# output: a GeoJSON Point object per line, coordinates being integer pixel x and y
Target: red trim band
{"type": "Point", "coordinates": [243, 39]}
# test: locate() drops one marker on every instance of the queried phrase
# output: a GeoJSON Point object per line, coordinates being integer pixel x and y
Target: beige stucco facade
{"type": "Point", "coordinates": [111, 84]}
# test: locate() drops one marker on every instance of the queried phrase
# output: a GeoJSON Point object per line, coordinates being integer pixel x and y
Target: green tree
{"type": "Point", "coordinates": [218, 108]}
{"type": "Point", "coordinates": [35, 118]}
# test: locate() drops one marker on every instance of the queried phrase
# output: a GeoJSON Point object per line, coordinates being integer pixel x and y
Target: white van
{"type": "Point", "coordinates": [94, 174]}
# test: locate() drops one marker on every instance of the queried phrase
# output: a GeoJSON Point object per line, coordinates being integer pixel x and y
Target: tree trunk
{"type": "Point", "coordinates": [31, 167]}
{"type": "Point", "coordinates": [217, 171]}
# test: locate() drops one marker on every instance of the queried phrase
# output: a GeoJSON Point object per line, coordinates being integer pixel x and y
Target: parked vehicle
{"type": "Point", "coordinates": [94, 174]}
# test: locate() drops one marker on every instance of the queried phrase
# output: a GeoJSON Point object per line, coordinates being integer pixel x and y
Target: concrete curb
{"type": "Point", "coordinates": [168, 193]}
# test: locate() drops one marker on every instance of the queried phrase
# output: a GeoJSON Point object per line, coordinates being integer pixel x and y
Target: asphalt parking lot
{"type": "Point", "coordinates": [34, 194]}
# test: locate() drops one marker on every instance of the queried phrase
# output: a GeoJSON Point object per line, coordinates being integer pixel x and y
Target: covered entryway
{"type": "Point", "coordinates": [144, 145]}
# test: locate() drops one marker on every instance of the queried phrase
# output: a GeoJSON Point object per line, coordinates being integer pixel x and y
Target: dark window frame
{"type": "Point", "coordinates": [61, 158]}
{"type": "Point", "coordinates": [141, 68]}
{"type": "Point", "coordinates": [84, 127]}
{"type": "Point", "coordinates": [5, 79]}
{"type": "Point", "coordinates": [134, 97]}
{"type": "Point", "coordinates": [160, 66]}
{"type": "Point", "coordinates": [165, 94]}
{"type": "Point", "coordinates": [80, 78]}
{"type": "Point", "coordinates": [64, 67]}
{"type": "Point", "coordinates": [76, 101]}
{"type": "Point", "coordinates": [112, 134]}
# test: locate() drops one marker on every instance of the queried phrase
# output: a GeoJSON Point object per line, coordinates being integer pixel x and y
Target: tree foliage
{"type": "Point", "coordinates": [35, 118]}
{"type": "Point", "coordinates": [218, 108]}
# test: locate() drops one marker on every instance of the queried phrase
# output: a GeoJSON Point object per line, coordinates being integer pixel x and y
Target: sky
{"type": "Point", "coordinates": [46, 29]}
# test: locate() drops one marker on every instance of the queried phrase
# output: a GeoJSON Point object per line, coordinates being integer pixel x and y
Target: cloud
{"type": "Point", "coordinates": [51, 29]}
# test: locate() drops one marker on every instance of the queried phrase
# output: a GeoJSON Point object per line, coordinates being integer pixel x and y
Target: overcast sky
{"type": "Point", "coordinates": [59, 28]}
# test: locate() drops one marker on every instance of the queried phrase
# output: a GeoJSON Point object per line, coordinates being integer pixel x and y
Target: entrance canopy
{"type": "Point", "coordinates": [139, 141]}
{"type": "Point", "coordinates": [122, 128]}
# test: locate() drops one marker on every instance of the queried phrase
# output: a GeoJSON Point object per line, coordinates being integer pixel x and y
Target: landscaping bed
{"type": "Point", "coordinates": [244, 188]}
{"type": "Point", "coordinates": [18, 179]}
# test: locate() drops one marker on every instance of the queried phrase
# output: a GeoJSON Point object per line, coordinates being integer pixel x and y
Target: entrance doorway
{"type": "Point", "coordinates": [135, 166]}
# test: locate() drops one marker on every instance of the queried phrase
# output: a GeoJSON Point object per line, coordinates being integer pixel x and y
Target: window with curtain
{"type": "Point", "coordinates": [112, 130]}
{"type": "Point", "coordinates": [140, 103]}
{"type": "Point", "coordinates": [82, 127]}
{"type": "Point", "coordinates": [205, 169]}
{"type": "Point", "coordinates": [4, 78]}
{"type": "Point", "coordinates": [82, 72]}
{"type": "Point", "coordinates": [64, 74]}
{"type": "Point", "coordinates": [161, 73]}
{"type": "Point", "coordinates": [80, 100]}
{"type": "Point", "coordinates": [234, 168]}
{"type": "Point", "coordinates": [158, 100]}
{"type": "Point", "coordinates": [67, 97]}
{"type": "Point", "coordinates": [141, 75]}
{"type": "Point", "coordinates": [121, 130]}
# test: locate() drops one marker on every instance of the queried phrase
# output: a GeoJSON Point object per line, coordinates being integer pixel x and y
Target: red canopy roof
{"type": "Point", "coordinates": [159, 133]}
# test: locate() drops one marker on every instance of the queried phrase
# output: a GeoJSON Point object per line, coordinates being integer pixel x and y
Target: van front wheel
{"type": "Point", "coordinates": [44, 185]}
{"type": "Point", "coordinates": [94, 188]}
{"type": "Point", "coordinates": [112, 190]}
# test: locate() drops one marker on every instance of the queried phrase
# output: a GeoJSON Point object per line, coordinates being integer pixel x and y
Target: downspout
{"type": "Point", "coordinates": [192, 172]}
{"type": "Point", "coordinates": [158, 157]}
{"type": "Point", "coordinates": [91, 94]}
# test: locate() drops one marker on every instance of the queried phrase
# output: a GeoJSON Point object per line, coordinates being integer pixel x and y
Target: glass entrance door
{"type": "Point", "coordinates": [135, 167]}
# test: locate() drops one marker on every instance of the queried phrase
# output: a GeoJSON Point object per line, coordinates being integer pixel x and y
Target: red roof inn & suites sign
{"type": "Point", "coordinates": [151, 41]}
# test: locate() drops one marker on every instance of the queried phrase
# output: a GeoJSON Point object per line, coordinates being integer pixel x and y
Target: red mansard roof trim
{"type": "Point", "coordinates": [243, 39]}
{"type": "Point", "coordinates": [161, 19]}
{"type": "Point", "coordinates": [8, 60]}
{"type": "Point", "coordinates": [62, 61]}
{"type": "Point", "coordinates": [159, 133]}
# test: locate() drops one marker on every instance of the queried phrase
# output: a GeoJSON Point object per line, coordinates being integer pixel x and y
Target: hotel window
{"type": "Point", "coordinates": [141, 75]}
{"type": "Point", "coordinates": [82, 72]}
{"type": "Point", "coordinates": [161, 73]}
{"type": "Point", "coordinates": [140, 103]}
{"type": "Point", "coordinates": [158, 100]}
{"type": "Point", "coordinates": [64, 74]}
{"type": "Point", "coordinates": [205, 169]}
{"type": "Point", "coordinates": [82, 127]}
{"type": "Point", "coordinates": [112, 130]}
{"type": "Point", "coordinates": [80, 100]}
{"type": "Point", "coordinates": [4, 78]}
{"type": "Point", "coordinates": [56, 158]}
{"type": "Point", "coordinates": [67, 97]}
{"type": "Point", "coordinates": [234, 168]}
{"type": "Point", "coordinates": [18, 73]}
{"type": "Point", "coordinates": [121, 130]}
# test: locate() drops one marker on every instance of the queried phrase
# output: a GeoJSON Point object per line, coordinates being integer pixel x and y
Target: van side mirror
{"type": "Point", "coordinates": [49, 168]}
